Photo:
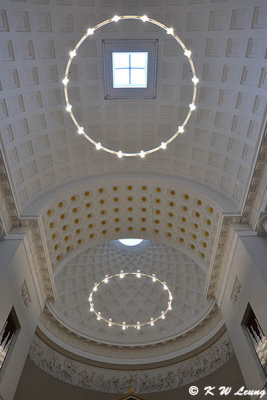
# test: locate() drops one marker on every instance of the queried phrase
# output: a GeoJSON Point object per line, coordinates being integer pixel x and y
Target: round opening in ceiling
{"type": "Point", "coordinates": [130, 242]}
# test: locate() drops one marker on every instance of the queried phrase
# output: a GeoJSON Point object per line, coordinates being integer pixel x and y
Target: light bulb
{"type": "Point", "coordinates": [162, 315]}
{"type": "Point", "coordinates": [72, 53]}
{"type": "Point", "coordinates": [119, 154]}
{"type": "Point", "coordinates": [180, 129]}
{"type": "Point", "coordinates": [95, 287]}
{"type": "Point", "coordinates": [123, 326]}
{"type": "Point", "coordinates": [163, 145]}
{"type": "Point", "coordinates": [170, 31]}
{"type": "Point", "coordinates": [151, 322]}
{"type": "Point", "coordinates": [90, 297]}
{"type": "Point", "coordinates": [92, 307]}
{"type": "Point", "coordinates": [170, 297]}
{"type": "Point", "coordinates": [144, 18]}
{"type": "Point", "coordinates": [153, 278]}
{"type": "Point", "coordinates": [195, 80]}
{"type": "Point", "coordinates": [98, 146]}
{"type": "Point", "coordinates": [187, 53]}
{"type": "Point", "coordinates": [169, 306]}
{"type": "Point", "coordinates": [192, 106]}
{"type": "Point", "coordinates": [165, 287]}
{"type": "Point", "coordinates": [122, 274]}
{"type": "Point", "coordinates": [110, 322]}
{"type": "Point", "coordinates": [106, 279]}
{"type": "Point", "coordinates": [138, 325]}
{"type": "Point", "coordinates": [65, 81]}
{"type": "Point", "coordinates": [69, 107]}
{"type": "Point", "coordinates": [142, 154]}
{"type": "Point", "coordinates": [90, 31]}
{"type": "Point", "coordinates": [80, 130]}
{"type": "Point", "coordinates": [116, 18]}
{"type": "Point", "coordinates": [98, 316]}
{"type": "Point", "coordinates": [138, 274]}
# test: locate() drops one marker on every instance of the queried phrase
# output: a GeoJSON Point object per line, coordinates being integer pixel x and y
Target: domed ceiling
{"type": "Point", "coordinates": [130, 299]}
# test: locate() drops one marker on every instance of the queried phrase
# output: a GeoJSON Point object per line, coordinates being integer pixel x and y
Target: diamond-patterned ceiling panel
{"type": "Point", "coordinates": [129, 300]}
{"type": "Point", "coordinates": [43, 151]}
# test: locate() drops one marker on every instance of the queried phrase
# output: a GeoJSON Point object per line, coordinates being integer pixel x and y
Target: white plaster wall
{"type": "Point", "coordinates": [14, 269]}
{"type": "Point", "coordinates": [248, 264]}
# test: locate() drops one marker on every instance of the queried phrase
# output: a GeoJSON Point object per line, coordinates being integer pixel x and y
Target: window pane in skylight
{"type": "Point", "coordinates": [120, 60]}
{"type": "Point", "coordinates": [139, 60]}
{"type": "Point", "coordinates": [121, 77]}
{"type": "Point", "coordinates": [138, 77]}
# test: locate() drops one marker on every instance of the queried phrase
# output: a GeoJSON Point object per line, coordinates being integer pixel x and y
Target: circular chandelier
{"type": "Point", "coordinates": [191, 106]}
{"type": "Point", "coordinates": [124, 325]}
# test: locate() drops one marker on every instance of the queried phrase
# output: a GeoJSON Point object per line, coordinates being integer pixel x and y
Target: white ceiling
{"type": "Point", "coordinates": [227, 39]}
{"type": "Point", "coordinates": [128, 300]}
{"type": "Point", "coordinates": [60, 177]}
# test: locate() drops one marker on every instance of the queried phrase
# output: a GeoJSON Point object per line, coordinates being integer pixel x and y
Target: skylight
{"type": "Point", "coordinates": [130, 242]}
{"type": "Point", "coordinates": [129, 69]}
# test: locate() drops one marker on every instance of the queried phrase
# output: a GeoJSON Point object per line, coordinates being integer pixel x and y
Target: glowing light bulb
{"type": "Point", "coordinates": [69, 107]}
{"type": "Point", "coordinates": [65, 81]}
{"type": "Point", "coordinates": [144, 18]}
{"type": "Point", "coordinates": [95, 288]}
{"type": "Point", "coordinates": [90, 31]}
{"type": "Point", "coordinates": [192, 106]}
{"type": "Point", "coordinates": [120, 154]}
{"type": "Point", "coordinates": [180, 129]}
{"type": "Point", "coordinates": [187, 53]}
{"type": "Point", "coordinates": [90, 297]}
{"type": "Point", "coordinates": [98, 316]}
{"type": "Point", "coordinates": [122, 275]}
{"type": "Point", "coordinates": [138, 325]}
{"type": "Point", "coordinates": [162, 315]}
{"type": "Point", "coordinates": [163, 145]}
{"type": "Point", "coordinates": [72, 53]}
{"type": "Point", "coordinates": [98, 146]}
{"type": "Point", "coordinates": [154, 278]}
{"type": "Point", "coordinates": [151, 321]}
{"type": "Point", "coordinates": [169, 306]}
{"type": "Point", "coordinates": [91, 308]}
{"type": "Point", "coordinates": [165, 287]}
{"type": "Point", "coordinates": [142, 154]}
{"type": "Point", "coordinates": [138, 274]}
{"type": "Point", "coordinates": [170, 31]}
{"type": "Point", "coordinates": [116, 18]}
{"type": "Point", "coordinates": [106, 279]}
{"type": "Point", "coordinates": [170, 297]}
{"type": "Point", "coordinates": [123, 326]}
{"type": "Point", "coordinates": [110, 322]}
{"type": "Point", "coordinates": [80, 130]}
{"type": "Point", "coordinates": [195, 80]}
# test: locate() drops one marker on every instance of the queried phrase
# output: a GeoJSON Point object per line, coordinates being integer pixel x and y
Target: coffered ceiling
{"type": "Point", "coordinates": [42, 148]}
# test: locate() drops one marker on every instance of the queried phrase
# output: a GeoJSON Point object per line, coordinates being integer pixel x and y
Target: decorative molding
{"type": "Point", "coordinates": [44, 273]}
{"type": "Point", "coordinates": [249, 216]}
{"type": "Point", "coordinates": [51, 326]}
{"type": "Point", "coordinates": [25, 294]}
{"type": "Point", "coordinates": [222, 253]}
{"type": "Point", "coordinates": [9, 214]}
{"type": "Point", "coordinates": [117, 381]}
{"type": "Point", "coordinates": [236, 291]}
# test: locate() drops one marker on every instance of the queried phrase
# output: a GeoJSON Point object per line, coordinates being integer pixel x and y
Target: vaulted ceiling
{"type": "Point", "coordinates": [83, 199]}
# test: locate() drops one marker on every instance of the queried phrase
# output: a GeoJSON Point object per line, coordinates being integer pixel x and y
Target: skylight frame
{"type": "Point", "coordinates": [130, 45]}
